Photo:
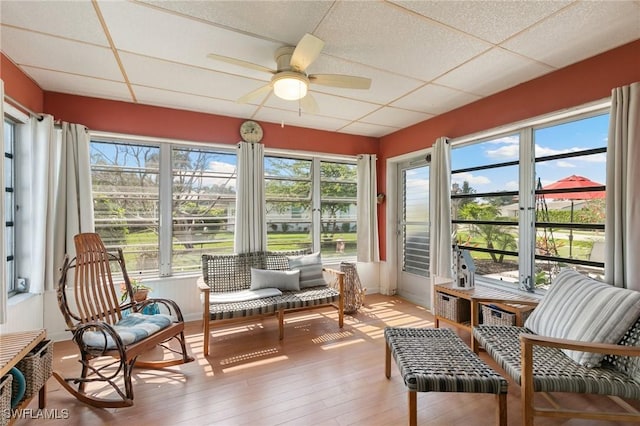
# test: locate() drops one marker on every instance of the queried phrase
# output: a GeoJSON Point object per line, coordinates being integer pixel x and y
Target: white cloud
{"type": "Point", "coordinates": [512, 185]}
{"type": "Point", "coordinates": [564, 164]}
{"type": "Point", "coordinates": [473, 180]}
{"type": "Point", "coordinates": [504, 152]}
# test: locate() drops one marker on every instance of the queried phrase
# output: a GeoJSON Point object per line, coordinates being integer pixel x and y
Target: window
{"type": "Point", "coordinates": [137, 187]}
{"type": "Point", "coordinates": [570, 170]}
{"type": "Point", "coordinates": [9, 205]}
{"type": "Point", "coordinates": [529, 202]}
{"type": "Point", "coordinates": [311, 203]}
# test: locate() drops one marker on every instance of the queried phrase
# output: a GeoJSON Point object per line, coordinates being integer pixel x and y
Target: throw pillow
{"type": "Point", "coordinates": [283, 280]}
{"type": "Point", "coordinates": [577, 307]}
{"type": "Point", "coordinates": [310, 267]}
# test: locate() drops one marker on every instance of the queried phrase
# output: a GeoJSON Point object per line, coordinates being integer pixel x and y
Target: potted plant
{"type": "Point", "coordinates": [140, 291]}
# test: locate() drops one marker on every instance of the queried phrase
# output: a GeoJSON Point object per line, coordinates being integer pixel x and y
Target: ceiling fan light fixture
{"type": "Point", "coordinates": [290, 86]}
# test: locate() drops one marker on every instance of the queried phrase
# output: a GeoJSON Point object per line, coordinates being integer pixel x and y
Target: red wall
{"type": "Point", "coordinates": [20, 87]}
{"type": "Point", "coordinates": [580, 83]}
{"type": "Point", "coordinates": [145, 120]}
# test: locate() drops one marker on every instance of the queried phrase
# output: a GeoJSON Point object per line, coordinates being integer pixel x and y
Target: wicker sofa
{"type": "Point", "coordinates": [229, 293]}
{"type": "Point", "coordinates": [584, 337]}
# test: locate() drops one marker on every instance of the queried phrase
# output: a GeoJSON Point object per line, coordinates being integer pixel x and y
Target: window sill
{"type": "Point", "coordinates": [18, 298]}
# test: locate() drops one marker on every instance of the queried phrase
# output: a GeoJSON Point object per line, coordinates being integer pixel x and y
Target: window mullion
{"type": "Point", "coordinates": [165, 213]}
{"type": "Point", "coordinates": [526, 210]}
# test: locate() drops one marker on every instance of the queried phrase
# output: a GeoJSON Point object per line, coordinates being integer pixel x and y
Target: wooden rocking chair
{"type": "Point", "coordinates": [101, 328]}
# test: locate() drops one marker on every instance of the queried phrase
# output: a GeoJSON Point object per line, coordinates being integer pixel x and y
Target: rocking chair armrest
{"type": "Point", "coordinates": [171, 305]}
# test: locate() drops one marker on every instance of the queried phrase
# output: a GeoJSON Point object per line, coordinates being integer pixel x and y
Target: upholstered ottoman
{"type": "Point", "coordinates": [437, 360]}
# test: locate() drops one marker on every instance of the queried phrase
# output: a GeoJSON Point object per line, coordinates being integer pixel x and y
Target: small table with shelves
{"type": "Point", "coordinates": [13, 348]}
{"type": "Point", "coordinates": [471, 299]}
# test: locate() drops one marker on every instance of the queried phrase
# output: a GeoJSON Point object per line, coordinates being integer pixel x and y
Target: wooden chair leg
{"type": "Point", "coordinates": [502, 409]}
{"type": "Point", "coordinates": [413, 408]}
{"type": "Point", "coordinates": [387, 361]}
{"type": "Point", "coordinates": [281, 323]}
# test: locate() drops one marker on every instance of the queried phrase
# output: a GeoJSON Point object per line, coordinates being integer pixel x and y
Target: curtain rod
{"type": "Point", "coordinates": [22, 107]}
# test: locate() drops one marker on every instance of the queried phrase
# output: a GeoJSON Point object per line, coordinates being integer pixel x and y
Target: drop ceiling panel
{"type": "Point", "coordinates": [291, 118]}
{"type": "Point", "coordinates": [151, 96]}
{"type": "Point", "coordinates": [394, 117]}
{"type": "Point", "coordinates": [76, 20]}
{"type": "Point", "coordinates": [580, 31]}
{"type": "Point", "coordinates": [434, 99]}
{"type": "Point", "coordinates": [493, 71]}
{"type": "Point", "coordinates": [141, 29]}
{"type": "Point", "coordinates": [265, 19]}
{"type": "Point", "coordinates": [366, 129]}
{"type": "Point", "coordinates": [493, 21]}
{"type": "Point", "coordinates": [385, 86]}
{"type": "Point", "coordinates": [57, 54]}
{"type": "Point", "coordinates": [400, 42]}
{"type": "Point", "coordinates": [186, 79]}
{"type": "Point", "coordinates": [78, 85]}
{"type": "Point", "coordinates": [328, 105]}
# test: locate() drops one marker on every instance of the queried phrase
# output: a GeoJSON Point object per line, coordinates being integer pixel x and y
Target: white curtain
{"type": "Point", "coordinates": [58, 202]}
{"type": "Point", "coordinates": [622, 224]}
{"type": "Point", "coordinates": [440, 212]}
{"type": "Point", "coordinates": [367, 210]}
{"type": "Point", "coordinates": [251, 222]}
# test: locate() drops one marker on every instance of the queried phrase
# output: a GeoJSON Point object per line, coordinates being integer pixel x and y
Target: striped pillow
{"type": "Point", "coordinates": [577, 307]}
{"type": "Point", "coordinates": [310, 267]}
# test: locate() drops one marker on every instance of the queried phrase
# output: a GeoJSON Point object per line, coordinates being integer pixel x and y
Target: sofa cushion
{"type": "Point", "coordinates": [243, 295]}
{"type": "Point", "coordinates": [282, 280]}
{"type": "Point", "coordinates": [577, 307]}
{"type": "Point", "coordinates": [310, 267]}
{"type": "Point", "coordinates": [131, 329]}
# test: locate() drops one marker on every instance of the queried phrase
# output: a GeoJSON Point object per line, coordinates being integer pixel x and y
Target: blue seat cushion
{"type": "Point", "coordinates": [131, 329]}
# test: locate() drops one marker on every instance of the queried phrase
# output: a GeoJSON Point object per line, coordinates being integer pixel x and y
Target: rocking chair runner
{"type": "Point", "coordinates": [100, 329]}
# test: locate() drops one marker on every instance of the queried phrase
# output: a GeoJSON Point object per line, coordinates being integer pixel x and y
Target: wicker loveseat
{"type": "Point", "coordinates": [584, 337]}
{"type": "Point", "coordinates": [229, 292]}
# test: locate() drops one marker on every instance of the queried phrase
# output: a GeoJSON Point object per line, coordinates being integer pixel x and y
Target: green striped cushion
{"type": "Point", "coordinates": [310, 267]}
{"type": "Point", "coordinates": [577, 307]}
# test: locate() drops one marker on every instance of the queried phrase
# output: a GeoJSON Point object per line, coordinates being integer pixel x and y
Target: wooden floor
{"type": "Point", "coordinates": [318, 375]}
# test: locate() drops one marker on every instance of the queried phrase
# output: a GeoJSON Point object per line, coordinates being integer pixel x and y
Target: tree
{"type": "Point", "coordinates": [288, 190]}
{"type": "Point", "coordinates": [126, 183]}
{"type": "Point", "coordinates": [496, 235]}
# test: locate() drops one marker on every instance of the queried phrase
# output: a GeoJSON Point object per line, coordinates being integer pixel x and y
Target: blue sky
{"type": "Point", "coordinates": [573, 136]}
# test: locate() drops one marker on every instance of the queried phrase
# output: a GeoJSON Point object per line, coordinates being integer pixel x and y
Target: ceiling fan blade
{"type": "Point", "coordinates": [309, 104]}
{"type": "Point", "coordinates": [255, 94]}
{"type": "Point", "coordinates": [240, 63]}
{"type": "Point", "coordinates": [307, 51]}
{"type": "Point", "coordinates": [340, 80]}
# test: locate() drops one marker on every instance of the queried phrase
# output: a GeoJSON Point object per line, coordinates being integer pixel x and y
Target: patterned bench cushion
{"type": "Point", "coordinates": [313, 296]}
{"type": "Point", "coordinates": [437, 360]}
{"type": "Point", "coordinates": [553, 371]}
{"type": "Point", "coordinates": [132, 328]}
{"type": "Point", "coordinates": [243, 295]}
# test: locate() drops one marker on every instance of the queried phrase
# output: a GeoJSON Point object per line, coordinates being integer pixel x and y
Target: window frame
{"type": "Point", "coordinates": [316, 197]}
{"type": "Point", "coordinates": [165, 193]}
{"type": "Point", "coordinates": [526, 163]}
{"type": "Point", "coordinates": [18, 119]}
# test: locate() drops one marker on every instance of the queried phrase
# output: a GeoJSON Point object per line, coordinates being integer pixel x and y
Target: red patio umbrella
{"type": "Point", "coordinates": [571, 182]}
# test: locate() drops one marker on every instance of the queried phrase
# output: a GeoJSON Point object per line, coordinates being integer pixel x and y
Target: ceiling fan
{"type": "Point", "coordinates": [290, 80]}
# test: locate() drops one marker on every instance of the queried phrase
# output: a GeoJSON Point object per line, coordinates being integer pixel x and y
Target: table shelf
{"type": "Point", "coordinates": [13, 348]}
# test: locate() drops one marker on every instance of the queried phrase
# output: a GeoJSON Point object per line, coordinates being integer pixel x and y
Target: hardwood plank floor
{"type": "Point", "coordinates": [318, 375]}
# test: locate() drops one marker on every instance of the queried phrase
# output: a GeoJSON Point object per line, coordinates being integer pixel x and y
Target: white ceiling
{"type": "Point", "coordinates": [424, 57]}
